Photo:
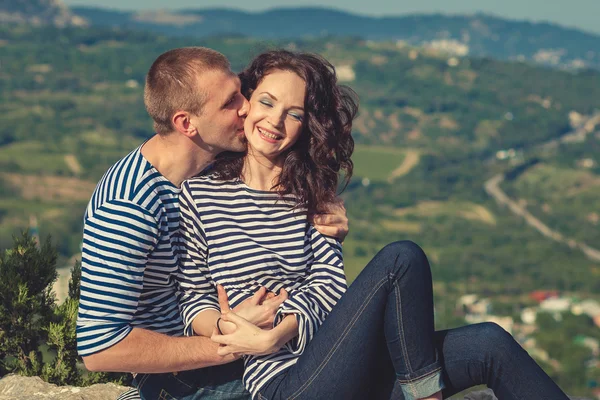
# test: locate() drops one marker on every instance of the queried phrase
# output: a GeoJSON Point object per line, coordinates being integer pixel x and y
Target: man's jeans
{"type": "Point", "coordinates": [218, 383]}
{"type": "Point", "coordinates": [379, 343]}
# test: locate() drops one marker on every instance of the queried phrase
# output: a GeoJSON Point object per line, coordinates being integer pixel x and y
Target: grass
{"type": "Point", "coordinates": [566, 199]}
{"type": "Point", "coordinates": [375, 162]}
{"type": "Point", "coordinates": [31, 157]}
{"type": "Point", "coordinates": [466, 210]}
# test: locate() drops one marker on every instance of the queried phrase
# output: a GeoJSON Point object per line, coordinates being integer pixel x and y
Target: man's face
{"type": "Point", "coordinates": [221, 122]}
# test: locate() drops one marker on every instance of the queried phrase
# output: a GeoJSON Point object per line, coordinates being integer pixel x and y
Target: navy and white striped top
{"type": "Point", "coordinates": [243, 239]}
{"type": "Point", "coordinates": [129, 258]}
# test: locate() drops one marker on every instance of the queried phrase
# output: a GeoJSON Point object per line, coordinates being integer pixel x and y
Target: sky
{"type": "Point", "coordinates": [581, 14]}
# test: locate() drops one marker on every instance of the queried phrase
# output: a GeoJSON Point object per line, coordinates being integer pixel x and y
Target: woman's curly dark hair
{"type": "Point", "coordinates": [314, 163]}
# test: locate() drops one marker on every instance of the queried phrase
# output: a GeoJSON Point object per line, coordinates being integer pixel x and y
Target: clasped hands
{"type": "Point", "coordinates": [247, 329]}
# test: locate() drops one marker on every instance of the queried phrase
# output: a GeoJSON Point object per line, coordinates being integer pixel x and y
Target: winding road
{"type": "Point", "coordinates": [492, 188]}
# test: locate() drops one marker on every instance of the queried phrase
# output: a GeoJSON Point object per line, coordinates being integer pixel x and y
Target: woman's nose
{"type": "Point", "coordinates": [276, 119]}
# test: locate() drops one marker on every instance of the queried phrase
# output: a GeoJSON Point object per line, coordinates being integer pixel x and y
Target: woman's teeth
{"type": "Point", "coordinates": [269, 135]}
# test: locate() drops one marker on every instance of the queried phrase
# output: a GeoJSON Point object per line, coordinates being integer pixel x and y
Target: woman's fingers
{"type": "Point", "coordinates": [225, 350]}
{"type": "Point", "coordinates": [278, 299]}
{"type": "Point", "coordinates": [269, 296]}
{"type": "Point", "coordinates": [221, 339]}
{"type": "Point", "coordinates": [283, 294]}
{"type": "Point", "coordinates": [223, 300]}
{"type": "Point", "coordinates": [257, 298]}
{"type": "Point", "coordinates": [236, 319]}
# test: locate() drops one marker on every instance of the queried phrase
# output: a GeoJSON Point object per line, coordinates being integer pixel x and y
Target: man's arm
{"type": "Point", "coordinates": [334, 222]}
{"type": "Point", "coordinates": [145, 351]}
{"type": "Point", "coordinates": [117, 241]}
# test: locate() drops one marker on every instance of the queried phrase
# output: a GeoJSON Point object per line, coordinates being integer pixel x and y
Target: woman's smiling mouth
{"type": "Point", "coordinates": [269, 136]}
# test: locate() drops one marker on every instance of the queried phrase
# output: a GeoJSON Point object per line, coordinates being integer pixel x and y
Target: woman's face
{"type": "Point", "coordinates": [276, 115]}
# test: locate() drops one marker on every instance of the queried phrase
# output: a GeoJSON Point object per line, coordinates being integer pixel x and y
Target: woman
{"type": "Point", "coordinates": [375, 340]}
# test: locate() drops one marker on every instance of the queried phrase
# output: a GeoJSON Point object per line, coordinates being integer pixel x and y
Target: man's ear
{"type": "Point", "coordinates": [181, 120]}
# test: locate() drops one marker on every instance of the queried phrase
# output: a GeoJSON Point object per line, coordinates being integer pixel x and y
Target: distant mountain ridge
{"type": "Point", "coordinates": [38, 12]}
{"type": "Point", "coordinates": [475, 35]}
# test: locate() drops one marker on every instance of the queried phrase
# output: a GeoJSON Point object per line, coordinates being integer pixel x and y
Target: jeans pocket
{"type": "Point", "coordinates": [164, 387]}
{"type": "Point", "coordinates": [163, 395]}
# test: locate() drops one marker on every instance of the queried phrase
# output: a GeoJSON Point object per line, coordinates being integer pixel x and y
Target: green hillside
{"type": "Point", "coordinates": [428, 135]}
{"type": "Point", "coordinates": [428, 129]}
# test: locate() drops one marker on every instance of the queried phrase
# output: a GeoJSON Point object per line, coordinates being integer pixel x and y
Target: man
{"type": "Point", "coordinates": [129, 318]}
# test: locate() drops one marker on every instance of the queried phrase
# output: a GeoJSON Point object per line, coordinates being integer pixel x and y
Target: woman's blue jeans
{"type": "Point", "coordinates": [379, 342]}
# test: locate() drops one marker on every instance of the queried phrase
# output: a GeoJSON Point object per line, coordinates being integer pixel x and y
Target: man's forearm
{"type": "Point", "coordinates": [145, 351]}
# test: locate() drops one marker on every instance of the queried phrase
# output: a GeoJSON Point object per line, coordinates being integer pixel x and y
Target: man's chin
{"type": "Point", "coordinates": [240, 144]}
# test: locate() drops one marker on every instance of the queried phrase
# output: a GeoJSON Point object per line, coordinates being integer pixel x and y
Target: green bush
{"type": "Point", "coordinates": [37, 336]}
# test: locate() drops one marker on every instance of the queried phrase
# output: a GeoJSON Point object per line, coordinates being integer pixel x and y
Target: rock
{"type": "Point", "coordinates": [15, 387]}
{"type": "Point", "coordinates": [486, 394]}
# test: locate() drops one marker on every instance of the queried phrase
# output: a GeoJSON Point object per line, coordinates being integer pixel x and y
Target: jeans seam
{"type": "Point", "coordinates": [182, 382]}
{"type": "Point", "coordinates": [409, 381]}
{"type": "Point", "coordinates": [163, 395]}
{"type": "Point", "coordinates": [341, 338]}
{"type": "Point", "coordinates": [507, 387]}
{"type": "Point", "coordinates": [401, 328]}
{"type": "Point", "coordinates": [401, 332]}
{"type": "Point", "coordinates": [142, 381]}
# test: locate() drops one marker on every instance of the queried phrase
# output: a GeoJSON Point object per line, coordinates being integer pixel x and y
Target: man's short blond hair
{"type": "Point", "coordinates": [172, 83]}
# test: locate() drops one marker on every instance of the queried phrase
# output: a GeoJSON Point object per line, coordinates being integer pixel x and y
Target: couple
{"type": "Point", "coordinates": [163, 259]}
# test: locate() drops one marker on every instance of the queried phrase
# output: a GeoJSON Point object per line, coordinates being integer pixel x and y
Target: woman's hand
{"type": "Point", "coordinates": [246, 338]}
{"type": "Point", "coordinates": [334, 222]}
{"type": "Point", "coordinates": [260, 309]}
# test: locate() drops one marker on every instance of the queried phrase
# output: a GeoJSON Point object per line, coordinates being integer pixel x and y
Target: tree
{"type": "Point", "coordinates": [27, 272]}
{"type": "Point", "coordinates": [31, 321]}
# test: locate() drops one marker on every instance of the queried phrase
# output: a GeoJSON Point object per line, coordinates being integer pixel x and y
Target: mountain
{"type": "Point", "coordinates": [38, 12]}
{"type": "Point", "coordinates": [476, 35]}
{"type": "Point", "coordinates": [432, 133]}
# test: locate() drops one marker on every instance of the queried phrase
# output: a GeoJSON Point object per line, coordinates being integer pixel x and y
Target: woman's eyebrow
{"type": "Point", "coordinates": [269, 94]}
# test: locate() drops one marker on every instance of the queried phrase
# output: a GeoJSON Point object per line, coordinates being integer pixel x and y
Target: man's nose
{"type": "Point", "coordinates": [243, 111]}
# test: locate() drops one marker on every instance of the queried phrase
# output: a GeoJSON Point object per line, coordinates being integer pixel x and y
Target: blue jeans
{"type": "Point", "coordinates": [222, 382]}
{"type": "Point", "coordinates": [379, 343]}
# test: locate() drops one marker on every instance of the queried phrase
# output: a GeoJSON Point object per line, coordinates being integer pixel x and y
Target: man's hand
{"type": "Point", "coordinates": [334, 222]}
{"type": "Point", "coordinates": [260, 309]}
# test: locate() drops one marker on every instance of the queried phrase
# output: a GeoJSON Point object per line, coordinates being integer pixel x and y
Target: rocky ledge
{"type": "Point", "coordinates": [14, 387]}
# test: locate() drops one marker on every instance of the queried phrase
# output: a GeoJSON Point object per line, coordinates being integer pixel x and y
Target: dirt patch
{"type": "Point", "coordinates": [448, 123]}
{"type": "Point", "coordinates": [410, 161]}
{"type": "Point", "coordinates": [479, 213]}
{"type": "Point", "coordinates": [413, 134]}
{"type": "Point", "coordinates": [414, 112]}
{"type": "Point", "coordinates": [402, 226]}
{"type": "Point", "coordinates": [394, 121]}
{"type": "Point", "coordinates": [56, 188]}
{"type": "Point", "coordinates": [583, 184]}
{"type": "Point", "coordinates": [470, 211]}
{"type": "Point", "coordinates": [73, 164]}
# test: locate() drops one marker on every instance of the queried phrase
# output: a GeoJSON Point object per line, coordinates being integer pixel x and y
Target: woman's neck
{"type": "Point", "coordinates": [259, 172]}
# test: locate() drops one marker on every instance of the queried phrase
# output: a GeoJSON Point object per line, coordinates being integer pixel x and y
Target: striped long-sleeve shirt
{"type": "Point", "coordinates": [243, 239]}
{"type": "Point", "coordinates": [129, 261]}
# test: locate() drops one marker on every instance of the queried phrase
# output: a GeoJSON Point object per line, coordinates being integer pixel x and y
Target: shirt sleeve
{"type": "Point", "coordinates": [117, 240]}
{"type": "Point", "coordinates": [197, 290]}
{"type": "Point", "coordinates": [321, 290]}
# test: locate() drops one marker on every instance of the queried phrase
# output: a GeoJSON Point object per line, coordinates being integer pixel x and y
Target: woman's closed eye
{"type": "Point", "coordinates": [297, 116]}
